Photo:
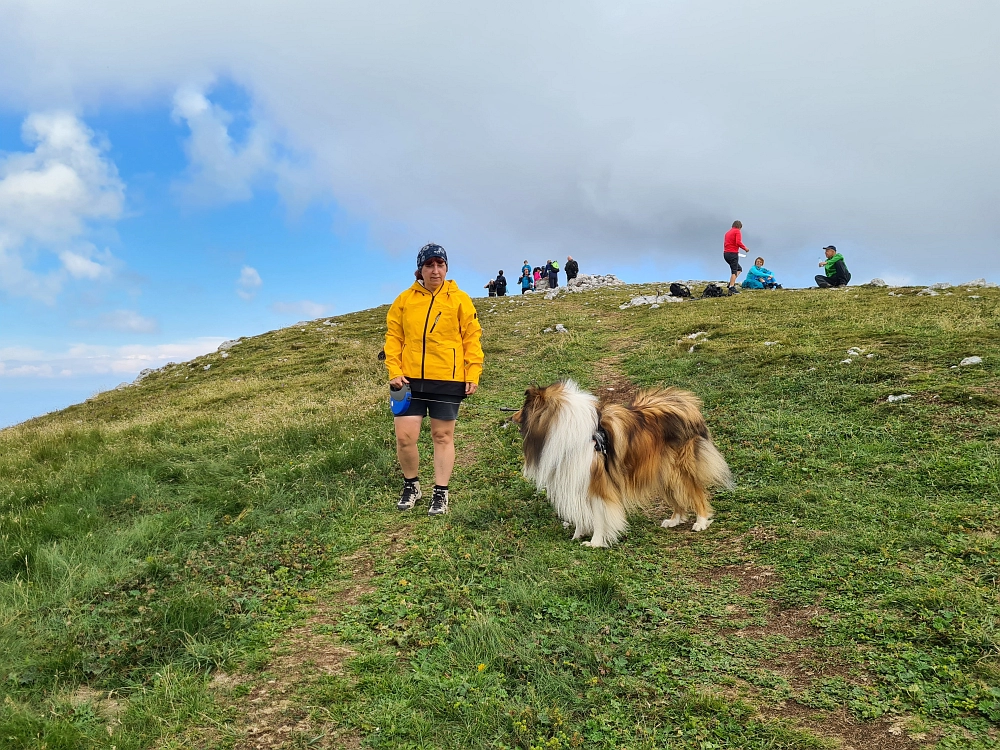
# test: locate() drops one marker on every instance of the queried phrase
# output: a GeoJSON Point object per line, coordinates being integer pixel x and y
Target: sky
{"type": "Point", "coordinates": [176, 174]}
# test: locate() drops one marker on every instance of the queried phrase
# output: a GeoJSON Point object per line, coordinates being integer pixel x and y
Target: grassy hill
{"type": "Point", "coordinates": [211, 558]}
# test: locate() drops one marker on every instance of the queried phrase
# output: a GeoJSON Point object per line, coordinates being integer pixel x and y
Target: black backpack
{"type": "Point", "coordinates": [679, 290]}
{"type": "Point", "coordinates": [713, 290]}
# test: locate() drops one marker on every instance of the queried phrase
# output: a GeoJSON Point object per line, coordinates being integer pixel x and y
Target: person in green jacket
{"type": "Point", "coordinates": [836, 273]}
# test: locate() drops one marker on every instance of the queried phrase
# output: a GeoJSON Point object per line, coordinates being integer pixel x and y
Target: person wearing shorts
{"type": "Point", "coordinates": [432, 343]}
{"type": "Point", "coordinates": [731, 246]}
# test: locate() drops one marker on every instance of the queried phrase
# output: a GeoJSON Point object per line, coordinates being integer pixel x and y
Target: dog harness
{"type": "Point", "coordinates": [601, 441]}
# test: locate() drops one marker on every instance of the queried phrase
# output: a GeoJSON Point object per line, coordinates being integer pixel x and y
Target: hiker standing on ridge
{"type": "Point", "coordinates": [731, 246]}
{"type": "Point", "coordinates": [431, 345]}
{"type": "Point", "coordinates": [572, 268]}
{"type": "Point", "coordinates": [501, 284]}
{"type": "Point", "coordinates": [552, 271]}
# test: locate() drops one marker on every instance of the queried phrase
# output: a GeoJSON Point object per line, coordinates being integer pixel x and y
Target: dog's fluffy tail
{"type": "Point", "coordinates": [713, 471]}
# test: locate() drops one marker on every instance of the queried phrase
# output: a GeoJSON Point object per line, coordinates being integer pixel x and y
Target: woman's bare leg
{"type": "Point", "coordinates": [407, 434]}
{"type": "Point", "coordinates": [443, 434]}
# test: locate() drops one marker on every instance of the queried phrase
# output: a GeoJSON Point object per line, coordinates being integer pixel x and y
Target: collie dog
{"type": "Point", "coordinates": [599, 464]}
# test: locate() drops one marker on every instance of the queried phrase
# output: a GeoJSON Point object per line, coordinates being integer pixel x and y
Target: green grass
{"type": "Point", "coordinates": [156, 537]}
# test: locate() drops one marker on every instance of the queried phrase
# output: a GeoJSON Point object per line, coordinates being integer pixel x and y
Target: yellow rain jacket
{"type": "Point", "coordinates": [434, 336]}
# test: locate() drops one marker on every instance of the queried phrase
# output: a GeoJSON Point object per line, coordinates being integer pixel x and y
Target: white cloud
{"type": "Point", "coordinates": [603, 129]}
{"type": "Point", "coordinates": [249, 282]}
{"type": "Point", "coordinates": [128, 321]}
{"type": "Point", "coordinates": [219, 170]}
{"type": "Point", "coordinates": [48, 199]}
{"type": "Point", "coordinates": [304, 307]}
{"type": "Point", "coordinates": [88, 359]}
{"type": "Point", "coordinates": [80, 267]}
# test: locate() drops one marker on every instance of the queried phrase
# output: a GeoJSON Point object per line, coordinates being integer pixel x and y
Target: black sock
{"type": "Point", "coordinates": [441, 487]}
{"type": "Point", "coordinates": [411, 481]}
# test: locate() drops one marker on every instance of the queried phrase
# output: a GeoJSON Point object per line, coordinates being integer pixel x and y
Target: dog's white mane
{"type": "Point", "coordinates": [563, 469]}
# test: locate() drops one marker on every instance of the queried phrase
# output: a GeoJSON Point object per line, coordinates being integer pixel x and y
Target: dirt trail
{"type": "Point", "coordinates": [272, 714]}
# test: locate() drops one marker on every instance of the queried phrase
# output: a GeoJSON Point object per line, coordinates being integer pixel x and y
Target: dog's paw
{"type": "Point", "coordinates": [701, 524]}
{"type": "Point", "coordinates": [675, 520]}
{"type": "Point", "coordinates": [594, 545]}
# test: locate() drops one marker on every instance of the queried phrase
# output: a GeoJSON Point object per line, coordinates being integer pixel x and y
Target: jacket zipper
{"type": "Point", "coordinates": [454, 363]}
{"type": "Point", "coordinates": [423, 353]}
{"type": "Point", "coordinates": [436, 319]}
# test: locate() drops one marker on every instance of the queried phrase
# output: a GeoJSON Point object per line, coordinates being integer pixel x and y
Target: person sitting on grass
{"type": "Point", "coordinates": [836, 273]}
{"type": "Point", "coordinates": [759, 277]}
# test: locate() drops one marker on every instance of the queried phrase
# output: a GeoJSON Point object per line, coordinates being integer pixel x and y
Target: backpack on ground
{"type": "Point", "coordinates": [713, 290]}
{"type": "Point", "coordinates": [679, 290]}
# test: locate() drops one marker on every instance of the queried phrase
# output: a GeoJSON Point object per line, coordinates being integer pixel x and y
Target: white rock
{"type": "Point", "coordinates": [547, 330]}
{"type": "Point", "coordinates": [900, 397]}
{"type": "Point", "coordinates": [846, 361]}
{"type": "Point", "coordinates": [980, 283]}
{"type": "Point", "coordinates": [974, 296]}
{"type": "Point", "coordinates": [770, 343]}
{"type": "Point", "coordinates": [854, 351]}
{"type": "Point", "coordinates": [560, 328]}
{"type": "Point", "coordinates": [970, 361]}
{"type": "Point", "coordinates": [229, 344]}
{"type": "Point", "coordinates": [224, 354]}
{"type": "Point", "coordinates": [691, 350]}
{"type": "Point", "coordinates": [654, 307]}
{"type": "Point", "coordinates": [207, 367]}
{"type": "Point", "coordinates": [941, 285]}
{"type": "Point", "coordinates": [144, 374]}
{"type": "Point", "coordinates": [585, 282]}
{"type": "Point", "coordinates": [876, 282]}
{"type": "Point", "coordinates": [869, 356]}
{"type": "Point", "coordinates": [696, 334]}
{"type": "Point", "coordinates": [811, 369]}
{"type": "Point", "coordinates": [928, 292]}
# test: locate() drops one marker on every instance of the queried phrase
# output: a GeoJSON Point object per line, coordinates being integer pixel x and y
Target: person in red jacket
{"type": "Point", "coordinates": [731, 252]}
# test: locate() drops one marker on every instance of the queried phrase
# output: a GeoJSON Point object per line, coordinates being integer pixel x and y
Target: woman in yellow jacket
{"type": "Point", "coordinates": [432, 344]}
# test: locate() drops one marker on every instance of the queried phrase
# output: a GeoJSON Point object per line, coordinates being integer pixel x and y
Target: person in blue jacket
{"type": "Point", "coordinates": [759, 277]}
{"type": "Point", "coordinates": [527, 283]}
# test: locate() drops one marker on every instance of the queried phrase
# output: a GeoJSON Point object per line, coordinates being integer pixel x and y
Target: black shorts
{"type": "Point", "coordinates": [438, 406]}
{"type": "Point", "coordinates": [733, 259]}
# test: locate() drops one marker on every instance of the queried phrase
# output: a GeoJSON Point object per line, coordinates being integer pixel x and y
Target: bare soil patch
{"type": "Point", "coordinates": [273, 714]}
{"type": "Point", "coordinates": [750, 577]}
{"type": "Point", "coordinates": [883, 734]}
{"type": "Point", "coordinates": [793, 624]}
{"type": "Point", "coordinates": [104, 705]}
{"type": "Point", "coordinates": [613, 387]}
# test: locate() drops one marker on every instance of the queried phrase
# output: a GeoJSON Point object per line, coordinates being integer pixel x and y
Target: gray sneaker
{"type": "Point", "coordinates": [439, 502]}
{"type": "Point", "coordinates": [411, 493]}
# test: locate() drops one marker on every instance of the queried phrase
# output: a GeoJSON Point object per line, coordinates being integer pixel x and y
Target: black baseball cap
{"type": "Point", "coordinates": [831, 247]}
